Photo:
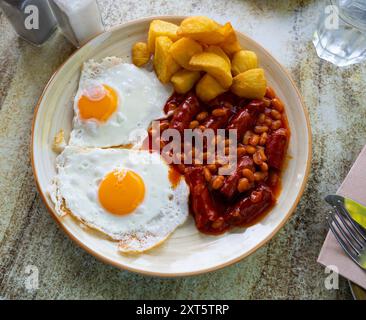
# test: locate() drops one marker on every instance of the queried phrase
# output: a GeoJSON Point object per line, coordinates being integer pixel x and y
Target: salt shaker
{"type": "Point", "coordinates": [79, 20]}
{"type": "Point", "coordinates": [32, 19]}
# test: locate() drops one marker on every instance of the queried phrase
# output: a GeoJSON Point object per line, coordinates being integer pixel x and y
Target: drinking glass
{"type": "Point", "coordinates": [341, 33]}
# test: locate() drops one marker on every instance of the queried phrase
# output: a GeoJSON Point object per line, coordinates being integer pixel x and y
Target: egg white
{"type": "Point", "coordinates": [75, 190]}
{"type": "Point", "coordinates": [141, 98]}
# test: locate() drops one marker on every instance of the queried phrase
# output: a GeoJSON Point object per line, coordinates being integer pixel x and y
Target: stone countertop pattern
{"type": "Point", "coordinates": [285, 268]}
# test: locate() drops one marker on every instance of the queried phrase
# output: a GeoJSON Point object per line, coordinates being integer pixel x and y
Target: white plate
{"type": "Point", "coordinates": [187, 251]}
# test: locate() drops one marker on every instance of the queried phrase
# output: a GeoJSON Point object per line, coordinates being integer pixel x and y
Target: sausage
{"type": "Point", "coordinates": [246, 118]}
{"type": "Point", "coordinates": [215, 123]}
{"type": "Point", "coordinates": [249, 208]}
{"type": "Point", "coordinates": [202, 204]}
{"type": "Point", "coordinates": [254, 105]}
{"type": "Point", "coordinates": [241, 122]}
{"type": "Point", "coordinates": [276, 148]}
{"type": "Point", "coordinates": [150, 142]}
{"type": "Point", "coordinates": [230, 184]}
{"type": "Point", "coordinates": [185, 113]}
{"type": "Point", "coordinates": [173, 102]}
{"type": "Point", "coordinates": [227, 99]}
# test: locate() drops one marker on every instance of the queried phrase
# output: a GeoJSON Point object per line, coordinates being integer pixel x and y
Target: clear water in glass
{"type": "Point", "coordinates": [341, 33]}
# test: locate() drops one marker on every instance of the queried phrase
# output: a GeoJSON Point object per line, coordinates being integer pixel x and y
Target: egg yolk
{"type": "Point", "coordinates": [121, 192]}
{"type": "Point", "coordinates": [98, 102]}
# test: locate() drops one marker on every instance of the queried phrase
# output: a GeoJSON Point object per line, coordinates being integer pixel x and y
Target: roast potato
{"type": "Point", "coordinates": [164, 64]}
{"type": "Point", "coordinates": [202, 29]}
{"type": "Point", "coordinates": [140, 54]}
{"type": "Point", "coordinates": [243, 60]}
{"type": "Point", "coordinates": [183, 50]}
{"type": "Point", "coordinates": [230, 44]}
{"type": "Point", "coordinates": [184, 80]}
{"type": "Point", "coordinates": [208, 88]}
{"type": "Point", "coordinates": [160, 28]}
{"type": "Point", "coordinates": [250, 84]}
{"type": "Point", "coordinates": [220, 52]}
{"type": "Point", "coordinates": [213, 64]}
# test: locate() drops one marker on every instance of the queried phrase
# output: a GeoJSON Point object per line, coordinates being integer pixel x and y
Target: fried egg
{"type": "Point", "coordinates": [125, 194]}
{"type": "Point", "coordinates": [114, 99]}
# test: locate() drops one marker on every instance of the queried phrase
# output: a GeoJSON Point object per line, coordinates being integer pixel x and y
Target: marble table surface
{"type": "Point", "coordinates": [285, 268]}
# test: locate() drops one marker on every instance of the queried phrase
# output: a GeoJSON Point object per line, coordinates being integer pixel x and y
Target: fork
{"type": "Point", "coordinates": [349, 234]}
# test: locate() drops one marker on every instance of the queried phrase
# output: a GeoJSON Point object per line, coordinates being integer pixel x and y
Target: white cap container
{"type": "Point", "coordinates": [79, 20]}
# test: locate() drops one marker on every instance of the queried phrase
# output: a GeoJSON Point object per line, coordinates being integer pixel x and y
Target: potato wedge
{"type": "Point", "coordinates": [219, 52]}
{"type": "Point", "coordinates": [184, 80]}
{"type": "Point", "coordinates": [202, 29]}
{"type": "Point", "coordinates": [231, 47]}
{"type": "Point", "coordinates": [250, 84]}
{"type": "Point", "coordinates": [183, 49]}
{"type": "Point", "coordinates": [140, 54]}
{"type": "Point", "coordinates": [160, 28]}
{"type": "Point", "coordinates": [213, 64]}
{"type": "Point", "coordinates": [208, 88]}
{"type": "Point", "coordinates": [164, 64]}
{"type": "Point", "coordinates": [231, 44]}
{"type": "Point", "coordinates": [243, 60]}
